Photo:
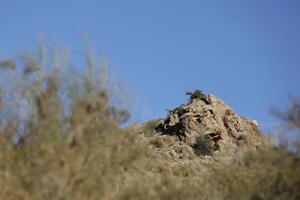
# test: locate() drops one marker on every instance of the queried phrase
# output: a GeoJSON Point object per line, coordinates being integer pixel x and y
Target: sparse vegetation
{"type": "Point", "coordinates": [157, 143]}
{"type": "Point", "coordinates": [148, 128]}
{"type": "Point", "coordinates": [204, 145]}
{"type": "Point", "coordinates": [60, 139]}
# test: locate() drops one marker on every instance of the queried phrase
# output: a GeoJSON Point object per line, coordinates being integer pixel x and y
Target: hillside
{"type": "Point", "coordinates": [60, 138]}
{"type": "Point", "coordinates": [203, 129]}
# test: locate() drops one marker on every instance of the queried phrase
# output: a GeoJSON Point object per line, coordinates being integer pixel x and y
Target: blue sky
{"type": "Point", "coordinates": [246, 52]}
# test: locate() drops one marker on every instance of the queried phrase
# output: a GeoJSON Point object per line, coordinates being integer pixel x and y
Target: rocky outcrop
{"type": "Point", "coordinates": [206, 116]}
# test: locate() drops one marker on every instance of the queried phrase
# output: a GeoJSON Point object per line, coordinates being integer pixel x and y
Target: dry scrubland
{"type": "Point", "coordinates": [60, 139]}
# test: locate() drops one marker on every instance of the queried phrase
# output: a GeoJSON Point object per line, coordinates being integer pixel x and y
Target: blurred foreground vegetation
{"type": "Point", "coordinates": [60, 139]}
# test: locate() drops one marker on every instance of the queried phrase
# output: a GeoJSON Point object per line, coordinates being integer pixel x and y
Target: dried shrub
{"type": "Point", "coordinates": [204, 145]}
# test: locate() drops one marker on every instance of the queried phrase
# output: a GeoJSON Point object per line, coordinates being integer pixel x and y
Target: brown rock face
{"type": "Point", "coordinates": [209, 117]}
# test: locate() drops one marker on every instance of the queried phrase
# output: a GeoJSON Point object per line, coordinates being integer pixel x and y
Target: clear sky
{"type": "Point", "coordinates": [246, 52]}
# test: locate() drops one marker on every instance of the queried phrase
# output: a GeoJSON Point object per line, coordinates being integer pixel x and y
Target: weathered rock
{"type": "Point", "coordinates": [206, 115]}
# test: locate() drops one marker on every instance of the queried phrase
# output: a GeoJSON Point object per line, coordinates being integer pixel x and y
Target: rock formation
{"type": "Point", "coordinates": [206, 116]}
